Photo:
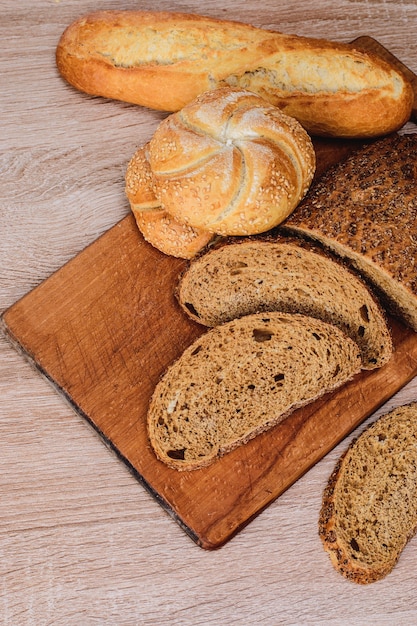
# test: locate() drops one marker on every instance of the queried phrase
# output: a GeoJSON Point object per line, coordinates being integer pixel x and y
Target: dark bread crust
{"type": "Point", "coordinates": [365, 210]}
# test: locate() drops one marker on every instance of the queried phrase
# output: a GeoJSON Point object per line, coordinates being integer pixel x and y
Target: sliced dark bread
{"type": "Point", "coordinates": [289, 276]}
{"type": "Point", "coordinates": [365, 210]}
{"type": "Point", "coordinates": [369, 509]}
{"type": "Point", "coordinates": [240, 379]}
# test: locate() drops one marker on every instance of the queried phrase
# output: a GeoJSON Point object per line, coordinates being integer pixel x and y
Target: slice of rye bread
{"type": "Point", "coordinates": [365, 210]}
{"type": "Point", "coordinates": [369, 509]}
{"type": "Point", "coordinates": [285, 275]}
{"type": "Point", "coordinates": [240, 379]}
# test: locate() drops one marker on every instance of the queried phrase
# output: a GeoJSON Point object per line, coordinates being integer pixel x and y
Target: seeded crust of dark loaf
{"type": "Point", "coordinates": [365, 540]}
{"type": "Point", "coordinates": [240, 379]}
{"type": "Point", "coordinates": [285, 274]}
{"type": "Point", "coordinates": [365, 210]}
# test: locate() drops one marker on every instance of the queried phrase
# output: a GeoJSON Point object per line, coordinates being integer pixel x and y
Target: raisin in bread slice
{"type": "Point", "coordinates": [365, 210]}
{"type": "Point", "coordinates": [240, 379]}
{"type": "Point", "coordinates": [289, 276]}
{"type": "Point", "coordinates": [369, 509]}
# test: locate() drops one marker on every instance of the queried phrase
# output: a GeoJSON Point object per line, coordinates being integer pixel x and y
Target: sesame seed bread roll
{"type": "Point", "coordinates": [156, 225]}
{"type": "Point", "coordinates": [164, 60]}
{"type": "Point", "coordinates": [230, 163]}
{"type": "Point", "coordinates": [139, 187]}
{"type": "Point", "coordinates": [170, 236]}
{"type": "Point", "coordinates": [365, 210]}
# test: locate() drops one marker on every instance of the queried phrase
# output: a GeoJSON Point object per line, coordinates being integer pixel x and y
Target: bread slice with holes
{"type": "Point", "coordinates": [286, 275]}
{"type": "Point", "coordinates": [369, 509]}
{"type": "Point", "coordinates": [240, 379]}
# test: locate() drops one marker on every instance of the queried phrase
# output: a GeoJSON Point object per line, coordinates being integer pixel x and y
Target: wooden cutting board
{"type": "Point", "coordinates": [104, 328]}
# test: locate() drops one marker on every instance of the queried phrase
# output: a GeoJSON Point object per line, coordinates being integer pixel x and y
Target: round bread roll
{"type": "Point", "coordinates": [156, 225]}
{"type": "Point", "coordinates": [231, 163]}
{"type": "Point", "coordinates": [139, 187]}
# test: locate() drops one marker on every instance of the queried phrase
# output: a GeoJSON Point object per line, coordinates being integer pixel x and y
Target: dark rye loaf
{"type": "Point", "coordinates": [369, 509]}
{"type": "Point", "coordinates": [365, 210]}
{"type": "Point", "coordinates": [240, 379]}
{"type": "Point", "coordinates": [286, 275]}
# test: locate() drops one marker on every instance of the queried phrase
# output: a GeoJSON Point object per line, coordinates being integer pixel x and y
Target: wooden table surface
{"type": "Point", "coordinates": [81, 541]}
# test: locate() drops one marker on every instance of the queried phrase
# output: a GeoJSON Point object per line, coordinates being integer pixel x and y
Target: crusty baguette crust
{"type": "Point", "coordinates": [240, 379]}
{"type": "Point", "coordinates": [369, 510]}
{"type": "Point", "coordinates": [164, 60]}
{"type": "Point", "coordinates": [365, 210]}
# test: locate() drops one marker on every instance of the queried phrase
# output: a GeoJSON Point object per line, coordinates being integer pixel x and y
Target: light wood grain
{"type": "Point", "coordinates": [81, 542]}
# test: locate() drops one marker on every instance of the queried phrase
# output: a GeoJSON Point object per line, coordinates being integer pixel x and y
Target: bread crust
{"type": "Point", "coordinates": [230, 163]}
{"type": "Point", "coordinates": [365, 210]}
{"type": "Point", "coordinates": [164, 60]}
{"type": "Point", "coordinates": [365, 549]}
{"type": "Point", "coordinates": [157, 226]}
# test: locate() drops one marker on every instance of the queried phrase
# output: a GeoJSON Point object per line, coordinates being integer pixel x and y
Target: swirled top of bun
{"type": "Point", "coordinates": [231, 163]}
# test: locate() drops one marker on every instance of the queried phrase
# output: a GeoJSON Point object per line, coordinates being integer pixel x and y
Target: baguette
{"type": "Point", "coordinates": [240, 379]}
{"type": "Point", "coordinates": [164, 60]}
{"type": "Point", "coordinates": [287, 275]}
{"type": "Point", "coordinates": [365, 210]}
{"type": "Point", "coordinates": [369, 509]}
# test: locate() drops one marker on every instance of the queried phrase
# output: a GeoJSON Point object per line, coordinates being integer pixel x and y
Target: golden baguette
{"type": "Point", "coordinates": [164, 60]}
